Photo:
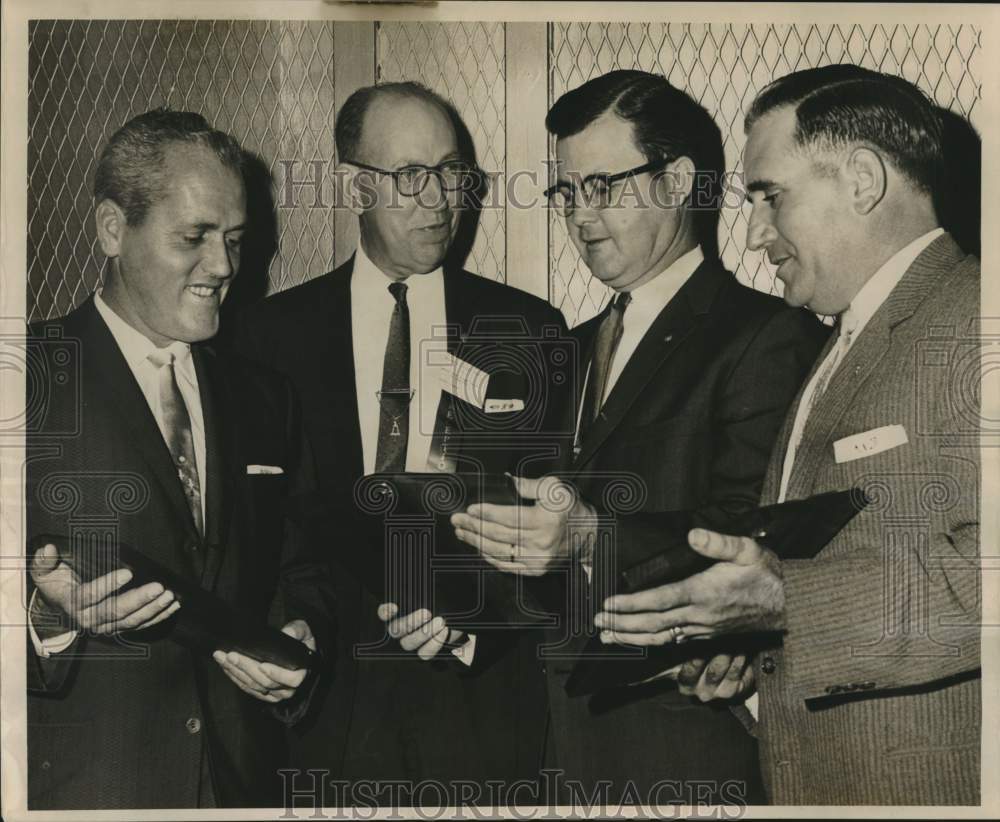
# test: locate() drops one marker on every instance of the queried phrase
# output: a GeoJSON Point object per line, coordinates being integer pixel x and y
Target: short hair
{"type": "Point", "coordinates": [840, 105]}
{"type": "Point", "coordinates": [666, 122]}
{"type": "Point", "coordinates": [130, 169]}
{"type": "Point", "coordinates": [351, 117]}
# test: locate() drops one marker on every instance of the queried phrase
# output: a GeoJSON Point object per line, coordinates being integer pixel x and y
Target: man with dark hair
{"type": "Point", "coordinates": [148, 438]}
{"type": "Point", "coordinates": [874, 695]}
{"type": "Point", "coordinates": [688, 376]}
{"type": "Point", "coordinates": [364, 345]}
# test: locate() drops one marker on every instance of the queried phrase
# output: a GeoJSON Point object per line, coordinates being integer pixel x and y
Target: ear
{"type": "Point", "coordinates": [866, 176]}
{"type": "Point", "coordinates": [111, 224]}
{"type": "Point", "coordinates": [676, 182]}
{"type": "Point", "coordinates": [356, 194]}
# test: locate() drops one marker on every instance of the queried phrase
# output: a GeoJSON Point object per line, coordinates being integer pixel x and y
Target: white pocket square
{"type": "Point", "coordinates": [265, 469]}
{"type": "Point", "coordinates": [869, 443]}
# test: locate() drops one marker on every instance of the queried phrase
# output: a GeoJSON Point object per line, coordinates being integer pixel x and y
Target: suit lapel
{"type": "Point", "coordinates": [335, 350]}
{"type": "Point", "coordinates": [119, 393]}
{"type": "Point", "coordinates": [864, 357]}
{"type": "Point", "coordinates": [221, 457]}
{"type": "Point", "coordinates": [665, 336]}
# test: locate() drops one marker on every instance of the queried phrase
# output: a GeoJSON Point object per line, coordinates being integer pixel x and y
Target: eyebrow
{"type": "Point", "coordinates": [761, 185]}
{"type": "Point", "coordinates": [205, 226]}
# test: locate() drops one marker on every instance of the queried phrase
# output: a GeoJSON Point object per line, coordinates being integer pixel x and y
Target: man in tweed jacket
{"type": "Point", "coordinates": [872, 694]}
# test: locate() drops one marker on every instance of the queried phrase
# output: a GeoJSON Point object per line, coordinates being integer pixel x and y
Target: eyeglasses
{"type": "Point", "coordinates": [595, 190]}
{"type": "Point", "coordinates": [411, 180]}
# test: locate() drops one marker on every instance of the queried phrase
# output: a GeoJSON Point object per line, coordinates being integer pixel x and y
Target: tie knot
{"type": "Point", "coordinates": [398, 291]}
{"type": "Point", "coordinates": [622, 300]}
{"type": "Point", "coordinates": [161, 357]}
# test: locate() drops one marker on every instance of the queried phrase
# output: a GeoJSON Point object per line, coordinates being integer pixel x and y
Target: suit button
{"type": "Point", "coordinates": [768, 665]}
{"type": "Point", "coordinates": [46, 765]}
{"type": "Point", "coordinates": [193, 725]}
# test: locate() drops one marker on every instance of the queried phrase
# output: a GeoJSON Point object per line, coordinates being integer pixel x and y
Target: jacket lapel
{"type": "Point", "coordinates": [221, 456]}
{"type": "Point", "coordinates": [334, 346]}
{"type": "Point", "coordinates": [864, 357]}
{"type": "Point", "coordinates": [665, 336]}
{"type": "Point", "coordinates": [120, 394]}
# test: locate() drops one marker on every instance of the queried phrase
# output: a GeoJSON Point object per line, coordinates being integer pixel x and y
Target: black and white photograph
{"type": "Point", "coordinates": [498, 410]}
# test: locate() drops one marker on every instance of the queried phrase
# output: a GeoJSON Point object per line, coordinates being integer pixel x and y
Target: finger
{"type": "Point", "coordinates": [116, 607]}
{"type": "Point", "coordinates": [661, 598]}
{"type": "Point", "coordinates": [723, 546]}
{"type": "Point", "coordinates": [44, 561]}
{"type": "Point", "coordinates": [690, 673]}
{"type": "Point", "coordinates": [746, 680]}
{"type": "Point", "coordinates": [387, 610]}
{"type": "Point", "coordinates": [253, 670]}
{"type": "Point", "coordinates": [729, 686]}
{"type": "Point", "coordinates": [715, 671]}
{"type": "Point", "coordinates": [500, 533]}
{"type": "Point", "coordinates": [236, 675]}
{"type": "Point", "coordinates": [165, 614]}
{"type": "Point", "coordinates": [416, 639]}
{"type": "Point", "coordinates": [653, 620]}
{"type": "Point", "coordinates": [299, 629]}
{"type": "Point", "coordinates": [638, 640]}
{"type": "Point", "coordinates": [489, 547]}
{"type": "Point", "coordinates": [508, 567]}
{"type": "Point", "coordinates": [133, 620]}
{"type": "Point", "coordinates": [513, 516]}
{"type": "Point", "coordinates": [404, 625]}
{"type": "Point", "coordinates": [283, 676]}
{"type": "Point", "coordinates": [430, 649]}
{"type": "Point", "coordinates": [527, 488]}
{"type": "Point", "coordinates": [102, 587]}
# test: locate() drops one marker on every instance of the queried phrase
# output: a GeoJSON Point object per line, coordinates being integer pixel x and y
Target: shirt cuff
{"type": "Point", "coordinates": [464, 653]}
{"type": "Point", "coordinates": [44, 648]}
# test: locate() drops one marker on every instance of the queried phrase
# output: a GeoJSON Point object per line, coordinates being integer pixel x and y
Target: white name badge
{"type": "Point", "coordinates": [463, 380]}
{"type": "Point", "coordinates": [503, 406]}
{"type": "Point", "coordinates": [869, 443]}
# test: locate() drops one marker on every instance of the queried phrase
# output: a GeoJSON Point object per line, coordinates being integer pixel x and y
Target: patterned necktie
{"type": "Point", "coordinates": [177, 433]}
{"type": "Point", "coordinates": [394, 398]}
{"type": "Point", "coordinates": [608, 336]}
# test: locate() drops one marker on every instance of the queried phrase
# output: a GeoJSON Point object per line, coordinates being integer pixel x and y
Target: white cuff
{"type": "Point", "coordinates": [465, 653]}
{"type": "Point", "coordinates": [753, 704]}
{"type": "Point", "coordinates": [44, 648]}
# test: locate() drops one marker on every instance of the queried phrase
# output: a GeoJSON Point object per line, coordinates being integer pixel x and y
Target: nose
{"type": "Point", "coordinates": [580, 214]}
{"type": "Point", "coordinates": [220, 259]}
{"type": "Point", "coordinates": [760, 230]}
{"type": "Point", "coordinates": [433, 196]}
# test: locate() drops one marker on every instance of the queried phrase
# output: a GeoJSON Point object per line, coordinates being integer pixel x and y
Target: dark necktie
{"type": "Point", "coordinates": [394, 398]}
{"type": "Point", "coordinates": [609, 334]}
{"type": "Point", "coordinates": [177, 433]}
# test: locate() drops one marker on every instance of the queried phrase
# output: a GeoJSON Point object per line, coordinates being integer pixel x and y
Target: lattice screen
{"type": "Point", "coordinates": [269, 83]}
{"type": "Point", "coordinates": [465, 63]}
{"type": "Point", "coordinates": [723, 67]}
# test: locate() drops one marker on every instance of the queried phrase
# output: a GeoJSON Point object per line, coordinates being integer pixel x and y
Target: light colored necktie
{"type": "Point", "coordinates": [177, 432]}
{"type": "Point", "coordinates": [394, 398]}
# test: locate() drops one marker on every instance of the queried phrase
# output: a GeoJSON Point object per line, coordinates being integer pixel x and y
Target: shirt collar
{"type": "Point", "coordinates": [875, 292]}
{"type": "Point", "coordinates": [651, 297]}
{"type": "Point", "coordinates": [370, 277]}
{"type": "Point", "coordinates": [135, 346]}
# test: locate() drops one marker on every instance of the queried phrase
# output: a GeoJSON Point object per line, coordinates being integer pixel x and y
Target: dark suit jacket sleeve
{"type": "Point", "coordinates": [762, 384]}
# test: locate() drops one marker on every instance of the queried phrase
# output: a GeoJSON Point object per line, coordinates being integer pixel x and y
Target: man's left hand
{"type": "Point", "coordinates": [742, 591]}
{"type": "Point", "coordinates": [419, 632]}
{"type": "Point", "coordinates": [263, 680]}
{"type": "Point", "coordinates": [530, 539]}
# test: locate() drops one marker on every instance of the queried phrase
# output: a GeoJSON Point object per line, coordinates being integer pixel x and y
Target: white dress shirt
{"type": "Point", "coordinates": [648, 300]}
{"type": "Point", "coordinates": [136, 348]}
{"type": "Point", "coordinates": [372, 305]}
{"type": "Point", "coordinates": [371, 311]}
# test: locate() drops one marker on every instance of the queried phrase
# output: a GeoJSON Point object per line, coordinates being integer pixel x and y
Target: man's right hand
{"type": "Point", "coordinates": [724, 676]}
{"type": "Point", "coordinates": [95, 606]}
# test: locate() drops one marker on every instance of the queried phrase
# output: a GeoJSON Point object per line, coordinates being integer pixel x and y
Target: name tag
{"type": "Point", "coordinates": [464, 380]}
{"type": "Point", "coordinates": [869, 443]}
{"type": "Point", "coordinates": [503, 406]}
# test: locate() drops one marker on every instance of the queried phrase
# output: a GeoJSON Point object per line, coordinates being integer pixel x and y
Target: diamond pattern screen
{"type": "Point", "coordinates": [272, 83]}
{"type": "Point", "coordinates": [723, 67]}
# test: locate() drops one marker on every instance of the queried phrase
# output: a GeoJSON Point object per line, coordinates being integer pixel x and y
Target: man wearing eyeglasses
{"type": "Point", "coordinates": [688, 377]}
{"type": "Point", "coordinates": [363, 345]}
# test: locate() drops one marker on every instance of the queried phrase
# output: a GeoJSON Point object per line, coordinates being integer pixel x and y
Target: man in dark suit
{"type": "Point", "coordinates": [874, 695]}
{"type": "Point", "coordinates": [364, 345]}
{"type": "Point", "coordinates": [689, 375]}
{"type": "Point", "coordinates": [147, 437]}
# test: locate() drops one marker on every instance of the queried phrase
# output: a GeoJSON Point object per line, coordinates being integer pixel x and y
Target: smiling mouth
{"type": "Point", "coordinates": [204, 292]}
